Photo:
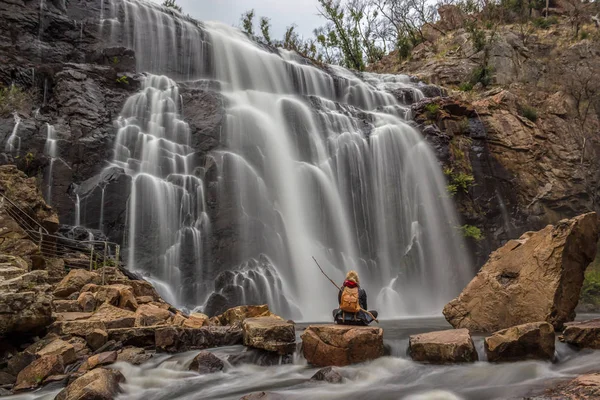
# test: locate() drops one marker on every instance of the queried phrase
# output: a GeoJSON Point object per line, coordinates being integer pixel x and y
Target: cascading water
{"type": "Point", "coordinates": [13, 143]}
{"type": "Point", "coordinates": [50, 150]}
{"type": "Point", "coordinates": [319, 161]}
{"type": "Point", "coordinates": [166, 207]}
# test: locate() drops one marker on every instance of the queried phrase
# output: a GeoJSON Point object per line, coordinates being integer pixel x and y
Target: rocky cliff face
{"type": "Point", "coordinates": [528, 138]}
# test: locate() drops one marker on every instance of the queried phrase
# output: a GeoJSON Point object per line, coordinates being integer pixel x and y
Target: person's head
{"type": "Point", "coordinates": [352, 276]}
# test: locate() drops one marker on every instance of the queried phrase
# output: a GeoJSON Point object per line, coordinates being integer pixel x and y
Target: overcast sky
{"type": "Point", "coordinates": [282, 13]}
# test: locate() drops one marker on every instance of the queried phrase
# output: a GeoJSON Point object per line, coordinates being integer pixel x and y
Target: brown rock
{"type": "Point", "coordinates": [269, 333]}
{"type": "Point", "coordinates": [98, 384]}
{"type": "Point", "coordinates": [584, 387]}
{"type": "Point", "coordinates": [35, 373]}
{"type": "Point", "coordinates": [178, 320]}
{"type": "Point", "coordinates": [127, 299]}
{"type": "Point", "coordinates": [239, 314]}
{"type": "Point", "coordinates": [87, 301]}
{"type": "Point", "coordinates": [77, 328]}
{"type": "Point", "coordinates": [97, 360]}
{"type": "Point", "coordinates": [340, 345]}
{"type": "Point", "coordinates": [108, 294]}
{"type": "Point", "coordinates": [150, 315]}
{"type": "Point", "coordinates": [80, 346]}
{"type": "Point", "coordinates": [7, 379]}
{"type": "Point", "coordinates": [535, 278]}
{"type": "Point", "coordinates": [522, 342]}
{"type": "Point", "coordinates": [196, 320]}
{"type": "Point", "coordinates": [583, 334]}
{"type": "Point", "coordinates": [206, 362]}
{"type": "Point", "coordinates": [72, 316]}
{"type": "Point", "coordinates": [74, 281]}
{"type": "Point", "coordinates": [25, 312]}
{"type": "Point", "coordinates": [62, 306]}
{"type": "Point", "coordinates": [451, 346]}
{"type": "Point", "coordinates": [96, 339]}
{"type": "Point", "coordinates": [262, 396]}
{"type": "Point", "coordinates": [114, 317]}
{"type": "Point", "coordinates": [60, 348]}
{"type": "Point", "coordinates": [144, 299]}
{"type": "Point", "coordinates": [133, 355]}
{"type": "Point", "coordinates": [143, 288]}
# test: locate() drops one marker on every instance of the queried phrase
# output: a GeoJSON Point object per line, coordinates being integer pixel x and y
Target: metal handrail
{"type": "Point", "coordinates": [53, 245]}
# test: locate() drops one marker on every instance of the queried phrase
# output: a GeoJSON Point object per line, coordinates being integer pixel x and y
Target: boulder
{"type": "Point", "coordinates": [60, 348]}
{"type": "Point", "coordinates": [583, 334]}
{"type": "Point", "coordinates": [340, 345]}
{"type": "Point", "coordinates": [522, 342]}
{"type": "Point", "coordinates": [269, 333]}
{"type": "Point", "coordinates": [75, 280]}
{"type": "Point", "coordinates": [133, 355]}
{"type": "Point", "coordinates": [106, 358]}
{"type": "Point", "coordinates": [328, 374]}
{"type": "Point", "coordinates": [98, 384]}
{"type": "Point", "coordinates": [63, 306]}
{"type": "Point", "coordinates": [150, 315]}
{"type": "Point", "coordinates": [87, 301]}
{"type": "Point", "coordinates": [80, 328]}
{"type": "Point", "coordinates": [196, 320]}
{"type": "Point", "coordinates": [442, 347]}
{"type": "Point", "coordinates": [25, 312]}
{"type": "Point", "coordinates": [238, 314]}
{"type": "Point", "coordinates": [114, 317]}
{"type": "Point", "coordinates": [206, 362]}
{"type": "Point", "coordinates": [35, 373]}
{"type": "Point", "coordinates": [7, 379]}
{"type": "Point", "coordinates": [127, 299]}
{"type": "Point", "coordinates": [535, 278]}
{"type": "Point", "coordinates": [96, 339]}
{"type": "Point", "coordinates": [584, 387]}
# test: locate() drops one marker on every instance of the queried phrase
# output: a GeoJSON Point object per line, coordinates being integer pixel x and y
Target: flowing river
{"type": "Point", "coordinates": [394, 377]}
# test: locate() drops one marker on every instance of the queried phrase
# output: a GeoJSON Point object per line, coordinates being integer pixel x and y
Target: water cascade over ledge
{"type": "Point", "coordinates": [313, 162]}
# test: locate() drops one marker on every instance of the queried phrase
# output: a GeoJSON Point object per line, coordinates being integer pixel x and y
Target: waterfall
{"type": "Point", "coordinates": [13, 143]}
{"type": "Point", "coordinates": [50, 150]}
{"type": "Point", "coordinates": [166, 210]}
{"type": "Point", "coordinates": [314, 161]}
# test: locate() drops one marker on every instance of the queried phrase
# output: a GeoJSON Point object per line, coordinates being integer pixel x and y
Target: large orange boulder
{"type": "Point", "coordinates": [521, 342]}
{"type": "Point", "coordinates": [535, 278]}
{"type": "Point", "coordinates": [340, 345]}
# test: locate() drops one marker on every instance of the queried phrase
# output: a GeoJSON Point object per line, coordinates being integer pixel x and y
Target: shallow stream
{"type": "Point", "coordinates": [166, 377]}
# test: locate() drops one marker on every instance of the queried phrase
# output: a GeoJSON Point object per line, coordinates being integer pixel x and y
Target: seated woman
{"type": "Point", "coordinates": [353, 304]}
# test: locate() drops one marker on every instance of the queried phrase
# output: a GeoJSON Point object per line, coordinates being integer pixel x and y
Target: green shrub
{"type": "Point", "coordinates": [590, 292]}
{"type": "Point", "coordinates": [472, 232]}
{"type": "Point", "coordinates": [482, 75]}
{"type": "Point", "coordinates": [463, 181]}
{"type": "Point", "coordinates": [545, 23]}
{"type": "Point", "coordinates": [12, 99]}
{"type": "Point", "coordinates": [432, 110]}
{"type": "Point", "coordinates": [477, 36]}
{"type": "Point", "coordinates": [529, 112]}
{"type": "Point", "coordinates": [404, 46]}
{"type": "Point", "coordinates": [123, 80]}
{"type": "Point", "coordinates": [465, 87]}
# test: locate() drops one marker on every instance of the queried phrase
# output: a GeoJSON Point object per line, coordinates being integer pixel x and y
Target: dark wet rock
{"type": "Point", "coordinates": [7, 379]}
{"type": "Point", "coordinates": [263, 396]}
{"type": "Point", "coordinates": [96, 339]}
{"type": "Point", "coordinates": [523, 342]}
{"type": "Point", "coordinates": [329, 374]}
{"type": "Point", "coordinates": [443, 347]}
{"type": "Point", "coordinates": [133, 355]}
{"type": "Point", "coordinates": [258, 357]}
{"type": "Point", "coordinates": [206, 362]}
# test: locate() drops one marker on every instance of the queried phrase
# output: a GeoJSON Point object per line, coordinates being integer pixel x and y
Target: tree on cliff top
{"type": "Point", "coordinates": [172, 4]}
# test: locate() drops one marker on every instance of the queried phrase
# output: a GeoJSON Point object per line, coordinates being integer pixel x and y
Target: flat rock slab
{"type": "Point", "coordinates": [340, 345]}
{"type": "Point", "coordinates": [583, 334]}
{"type": "Point", "coordinates": [583, 387]}
{"type": "Point", "coordinates": [443, 347]}
{"type": "Point", "coordinates": [270, 334]}
{"type": "Point", "coordinates": [522, 342]}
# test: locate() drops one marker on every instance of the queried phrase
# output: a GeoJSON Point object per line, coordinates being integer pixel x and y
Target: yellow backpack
{"type": "Point", "coordinates": [349, 301]}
